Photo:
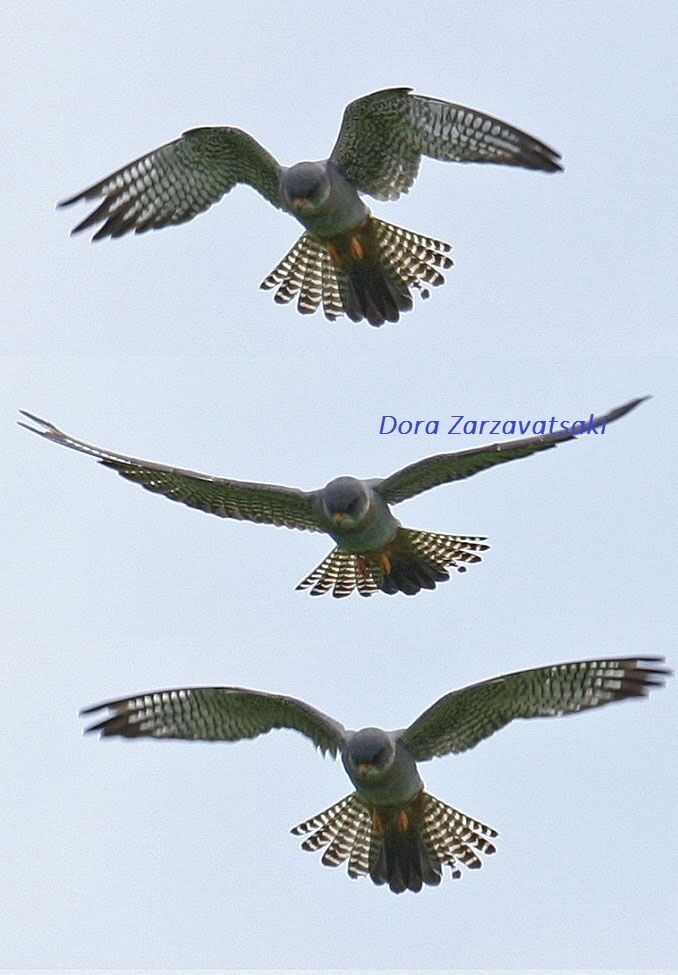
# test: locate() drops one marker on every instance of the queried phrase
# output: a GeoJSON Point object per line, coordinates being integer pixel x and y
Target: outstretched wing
{"type": "Point", "coordinates": [442, 468]}
{"type": "Point", "coordinates": [268, 504]}
{"type": "Point", "coordinates": [461, 719]}
{"type": "Point", "coordinates": [384, 135]}
{"type": "Point", "coordinates": [215, 714]}
{"type": "Point", "coordinates": [179, 180]}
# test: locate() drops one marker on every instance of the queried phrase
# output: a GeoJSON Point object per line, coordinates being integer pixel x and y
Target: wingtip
{"type": "Point", "coordinates": [90, 709]}
{"type": "Point", "coordinates": [99, 726]}
{"type": "Point", "coordinates": [68, 201]}
{"type": "Point", "coordinates": [48, 427]}
{"type": "Point", "coordinates": [619, 411]}
{"type": "Point", "coordinates": [654, 667]}
{"type": "Point", "coordinates": [632, 404]}
{"type": "Point", "coordinates": [96, 729]}
{"type": "Point", "coordinates": [27, 426]}
{"type": "Point", "coordinates": [32, 416]}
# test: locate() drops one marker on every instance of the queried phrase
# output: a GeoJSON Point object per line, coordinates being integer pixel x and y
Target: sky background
{"type": "Point", "coordinates": [158, 855]}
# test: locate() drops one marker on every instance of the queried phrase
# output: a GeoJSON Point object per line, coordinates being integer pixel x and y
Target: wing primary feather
{"type": "Point", "coordinates": [213, 714]}
{"type": "Point", "coordinates": [439, 469]}
{"type": "Point", "coordinates": [227, 498]}
{"type": "Point", "coordinates": [179, 180]}
{"type": "Point", "coordinates": [461, 719]}
{"type": "Point", "coordinates": [384, 135]}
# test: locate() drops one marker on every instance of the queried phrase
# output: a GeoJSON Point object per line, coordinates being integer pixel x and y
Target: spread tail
{"type": "Point", "coordinates": [365, 274]}
{"type": "Point", "coordinates": [403, 847]}
{"type": "Point", "coordinates": [414, 560]}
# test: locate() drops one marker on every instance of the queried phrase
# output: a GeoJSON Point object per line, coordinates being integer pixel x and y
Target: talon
{"type": "Point", "coordinates": [385, 563]}
{"type": "Point", "coordinates": [333, 251]}
{"type": "Point", "coordinates": [379, 824]}
{"type": "Point", "coordinates": [357, 249]}
{"type": "Point", "coordinates": [363, 569]}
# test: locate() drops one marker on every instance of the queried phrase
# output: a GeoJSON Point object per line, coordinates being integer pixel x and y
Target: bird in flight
{"type": "Point", "coordinates": [347, 260]}
{"type": "Point", "coordinates": [389, 828]}
{"type": "Point", "coordinates": [374, 552]}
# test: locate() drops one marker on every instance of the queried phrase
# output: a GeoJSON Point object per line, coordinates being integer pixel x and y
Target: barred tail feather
{"type": "Point", "coordinates": [413, 561]}
{"type": "Point", "coordinates": [364, 274]}
{"type": "Point", "coordinates": [344, 830]}
{"type": "Point", "coordinates": [405, 848]}
{"type": "Point", "coordinates": [307, 271]}
{"type": "Point", "coordinates": [340, 573]}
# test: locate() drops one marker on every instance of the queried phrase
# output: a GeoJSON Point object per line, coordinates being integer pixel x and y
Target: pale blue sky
{"type": "Point", "coordinates": [151, 855]}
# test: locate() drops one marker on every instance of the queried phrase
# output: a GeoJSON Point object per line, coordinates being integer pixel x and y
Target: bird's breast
{"type": "Point", "coordinates": [375, 530]}
{"type": "Point", "coordinates": [342, 212]}
{"type": "Point", "coordinates": [395, 785]}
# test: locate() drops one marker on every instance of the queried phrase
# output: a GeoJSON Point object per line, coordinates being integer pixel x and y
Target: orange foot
{"type": "Point", "coordinates": [385, 563]}
{"type": "Point", "coordinates": [379, 823]}
{"type": "Point", "coordinates": [357, 249]}
{"type": "Point", "coordinates": [363, 568]}
{"type": "Point", "coordinates": [333, 251]}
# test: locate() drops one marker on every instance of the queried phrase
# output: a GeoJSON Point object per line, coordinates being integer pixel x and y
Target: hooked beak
{"type": "Point", "coordinates": [364, 767]}
{"type": "Point", "coordinates": [300, 202]}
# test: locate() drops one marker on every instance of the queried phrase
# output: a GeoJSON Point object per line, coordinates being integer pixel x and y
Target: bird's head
{"type": "Point", "coordinates": [346, 501]}
{"type": "Point", "coordinates": [370, 752]}
{"type": "Point", "coordinates": [306, 186]}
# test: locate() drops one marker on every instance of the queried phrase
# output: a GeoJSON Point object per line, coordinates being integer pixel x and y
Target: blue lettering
{"type": "Point", "coordinates": [592, 428]}
{"type": "Point", "coordinates": [383, 421]}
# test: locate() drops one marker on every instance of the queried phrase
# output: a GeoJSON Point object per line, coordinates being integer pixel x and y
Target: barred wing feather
{"type": "Point", "coordinates": [460, 720]}
{"type": "Point", "coordinates": [175, 182]}
{"type": "Point", "coordinates": [444, 468]}
{"type": "Point", "coordinates": [270, 504]}
{"type": "Point", "coordinates": [215, 714]}
{"type": "Point", "coordinates": [384, 135]}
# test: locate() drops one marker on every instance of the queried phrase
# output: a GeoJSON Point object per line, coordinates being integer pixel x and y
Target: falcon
{"type": "Point", "coordinates": [389, 827]}
{"type": "Point", "coordinates": [374, 552]}
{"type": "Point", "coordinates": [347, 260]}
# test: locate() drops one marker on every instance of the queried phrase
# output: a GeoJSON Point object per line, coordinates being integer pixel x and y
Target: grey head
{"type": "Point", "coordinates": [369, 751]}
{"type": "Point", "coordinates": [306, 186]}
{"type": "Point", "coordinates": [345, 501]}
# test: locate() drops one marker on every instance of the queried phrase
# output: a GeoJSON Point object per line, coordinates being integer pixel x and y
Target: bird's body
{"type": "Point", "coordinates": [373, 552]}
{"type": "Point", "coordinates": [355, 515]}
{"type": "Point", "coordinates": [339, 209]}
{"type": "Point", "coordinates": [348, 261]}
{"type": "Point", "coordinates": [389, 828]}
{"type": "Point", "coordinates": [381, 768]}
